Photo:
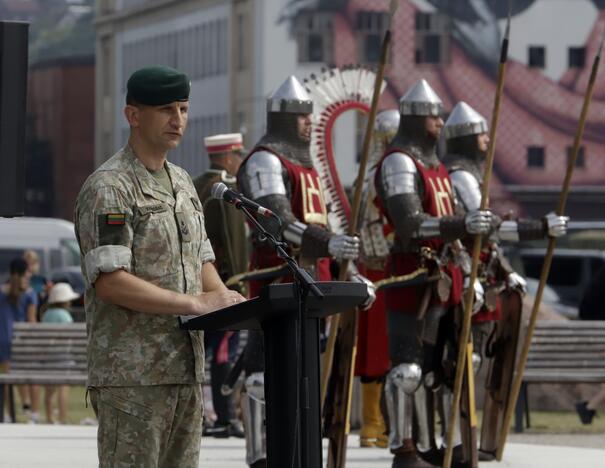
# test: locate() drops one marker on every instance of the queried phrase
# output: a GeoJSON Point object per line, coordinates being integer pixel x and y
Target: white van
{"type": "Point", "coordinates": [53, 239]}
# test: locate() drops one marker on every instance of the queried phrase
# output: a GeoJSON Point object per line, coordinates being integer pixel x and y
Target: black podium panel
{"type": "Point", "coordinates": [13, 89]}
{"type": "Point", "coordinates": [291, 361]}
{"type": "Point", "coordinates": [277, 299]}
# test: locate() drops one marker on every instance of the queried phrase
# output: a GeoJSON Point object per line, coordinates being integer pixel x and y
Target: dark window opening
{"type": "Point", "coordinates": [535, 156]}
{"type": "Point", "coordinates": [371, 27]}
{"type": "Point", "coordinates": [536, 57]}
{"type": "Point", "coordinates": [432, 49]}
{"type": "Point", "coordinates": [577, 57]}
{"type": "Point", "coordinates": [423, 21]}
{"type": "Point", "coordinates": [432, 38]}
{"type": "Point", "coordinates": [313, 32]}
{"type": "Point", "coordinates": [316, 44]}
{"type": "Point", "coordinates": [373, 45]}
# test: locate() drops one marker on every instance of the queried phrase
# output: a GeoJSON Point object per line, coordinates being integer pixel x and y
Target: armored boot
{"type": "Point", "coordinates": [401, 381]}
{"type": "Point", "coordinates": [373, 429]}
{"type": "Point", "coordinates": [444, 393]}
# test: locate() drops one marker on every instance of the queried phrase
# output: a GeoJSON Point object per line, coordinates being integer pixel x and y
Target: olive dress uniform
{"type": "Point", "coordinates": [226, 230]}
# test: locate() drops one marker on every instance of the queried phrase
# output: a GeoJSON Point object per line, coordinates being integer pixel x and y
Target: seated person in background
{"type": "Point", "coordinates": [59, 301]}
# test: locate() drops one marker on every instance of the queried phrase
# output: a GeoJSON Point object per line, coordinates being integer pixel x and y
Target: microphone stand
{"type": "Point", "coordinates": [303, 285]}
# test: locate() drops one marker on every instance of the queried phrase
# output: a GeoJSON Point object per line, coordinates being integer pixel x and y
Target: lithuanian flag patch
{"type": "Point", "coordinates": [115, 219]}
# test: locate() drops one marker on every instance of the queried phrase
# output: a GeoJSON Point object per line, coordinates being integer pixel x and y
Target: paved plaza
{"type": "Point", "coordinates": [27, 446]}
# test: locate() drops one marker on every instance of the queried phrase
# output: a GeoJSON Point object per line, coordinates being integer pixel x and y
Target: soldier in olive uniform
{"type": "Point", "coordinates": [146, 259]}
{"type": "Point", "coordinates": [226, 230]}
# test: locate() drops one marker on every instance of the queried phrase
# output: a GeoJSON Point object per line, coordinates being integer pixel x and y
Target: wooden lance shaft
{"type": "Point", "coordinates": [355, 209]}
{"type": "Point", "coordinates": [348, 323]}
{"type": "Point", "coordinates": [470, 293]}
{"type": "Point", "coordinates": [518, 380]}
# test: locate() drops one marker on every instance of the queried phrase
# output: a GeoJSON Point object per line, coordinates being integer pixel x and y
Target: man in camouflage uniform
{"type": "Point", "coordinates": [500, 317]}
{"type": "Point", "coordinates": [227, 233]}
{"type": "Point", "coordinates": [146, 259]}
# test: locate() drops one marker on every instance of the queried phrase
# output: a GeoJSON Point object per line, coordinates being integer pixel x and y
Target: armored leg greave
{"type": "Point", "coordinates": [400, 384]}
{"type": "Point", "coordinates": [446, 396]}
{"type": "Point", "coordinates": [253, 403]}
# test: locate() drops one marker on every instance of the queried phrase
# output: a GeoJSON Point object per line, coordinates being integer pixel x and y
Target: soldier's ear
{"type": "Point", "coordinates": [132, 115]}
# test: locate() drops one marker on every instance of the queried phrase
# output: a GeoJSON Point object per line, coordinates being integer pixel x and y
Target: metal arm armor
{"type": "Point", "coordinates": [399, 175]}
{"type": "Point", "coordinates": [400, 188]}
{"type": "Point", "coordinates": [263, 181]}
{"type": "Point", "coordinates": [262, 175]}
{"type": "Point", "coordinates": [522, 230]}
{"type": "Point", "coordinates": [467, 189]}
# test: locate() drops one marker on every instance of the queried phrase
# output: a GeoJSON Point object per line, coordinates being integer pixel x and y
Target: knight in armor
{"type": "Point", "coordinates": [226, 230]}
{"type": "Point", "coordinates": [279, 175]}
{"type": "Point", "coordinates": [414, 193]}
{"type": "Point", "coordinates": [372, 358]}
{"type": "Point", "coordinates": [495, 328]}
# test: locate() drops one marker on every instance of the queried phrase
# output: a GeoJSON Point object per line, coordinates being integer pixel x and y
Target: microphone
{"type": "Point", "coordinates": [221, 192]}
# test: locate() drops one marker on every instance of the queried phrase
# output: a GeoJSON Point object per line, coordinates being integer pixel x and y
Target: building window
{"type": "Point", "coordinates": [432, 38]}
{"type": "Point", "coordinates": [536, 56]}
{"type": "Point", "coordinates": [535, 156]}
{"type": "Point", "coordinates": [580, 161]}
{"type": "Point", "coordinates": [577, 57]}
{"type": "Point", "coordinates": [371, 27]}
{"type": "Point", "coordinates": [313, 32]}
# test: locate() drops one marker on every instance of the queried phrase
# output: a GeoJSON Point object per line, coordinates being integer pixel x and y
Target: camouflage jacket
{"type": "Point", "coordinates": [126, 220]}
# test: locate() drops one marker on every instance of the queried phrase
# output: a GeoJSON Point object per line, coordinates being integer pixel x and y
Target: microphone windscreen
{"type": "Point", "coordinates": [218, 190]}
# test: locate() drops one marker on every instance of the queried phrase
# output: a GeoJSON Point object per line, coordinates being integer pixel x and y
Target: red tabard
{"type": "Point", "coordinates": [307, 205]}
{"type": "Point", "coordinates": [438, 201]}
{"type": "Point", "coordinates": [372, 358]}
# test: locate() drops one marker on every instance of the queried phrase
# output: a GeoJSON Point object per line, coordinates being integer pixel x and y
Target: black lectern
{"type": "Point", "coordinates": [291, 367]}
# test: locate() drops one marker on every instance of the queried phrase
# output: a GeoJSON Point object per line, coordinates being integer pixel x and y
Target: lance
{"type": "Point", "coordinates": [348, 324]}
{"type": "Point", "coordinates": [464, 347]}
{"type": "Point", "coordinates": [547, 259]}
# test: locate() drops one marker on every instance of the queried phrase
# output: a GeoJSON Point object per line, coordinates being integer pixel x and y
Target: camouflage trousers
{"type": "Point", "coordinates": [148, 426]}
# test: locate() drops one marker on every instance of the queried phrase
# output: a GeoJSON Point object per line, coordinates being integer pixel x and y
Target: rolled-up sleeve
{"type": "Point", "coordinates": [104, 229]}
{"type": "Point", "coordinates": [207, 251]}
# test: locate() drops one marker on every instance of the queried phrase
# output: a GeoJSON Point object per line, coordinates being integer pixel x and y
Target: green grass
{"type": "Point", "coordinates": [76, 411]}
{"type": "Point", "coordinates": [542, 422]}
{"type": "Point", "coordinates": [563, 422]}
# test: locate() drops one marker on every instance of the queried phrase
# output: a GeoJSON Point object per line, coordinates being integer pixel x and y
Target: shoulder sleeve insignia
{"type": "Point", "coordinates": [115, 219]}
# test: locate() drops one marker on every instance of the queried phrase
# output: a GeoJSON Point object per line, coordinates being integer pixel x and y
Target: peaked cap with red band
{"type": "Point", "coordinates": [224, 143]}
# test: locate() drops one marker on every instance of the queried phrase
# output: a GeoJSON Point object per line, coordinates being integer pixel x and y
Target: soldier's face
{"type": "Point", "coordinates": [483, 142]}
{"type": "Point", "coordinates": [160, 126]}
{"type": "Point", "coordinates": [433, 126]}
{"type": "Point", "coordinates": [303, 125]}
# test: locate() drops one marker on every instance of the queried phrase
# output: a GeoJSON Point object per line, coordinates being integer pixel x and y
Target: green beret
{"type": "Point", "coordinates": [156, 86]}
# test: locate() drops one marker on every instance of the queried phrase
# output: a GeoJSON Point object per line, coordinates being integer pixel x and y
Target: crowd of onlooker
{"type": "Point", "coordinates": [27, 296]}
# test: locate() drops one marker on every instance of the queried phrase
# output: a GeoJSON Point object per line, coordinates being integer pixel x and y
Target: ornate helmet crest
{"type": "Point", "coordinates": [290, 98]}
{"type": "Point", "coordinates": [463, 121]}
{"type": "Point", "coordinates": [421, 99]}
